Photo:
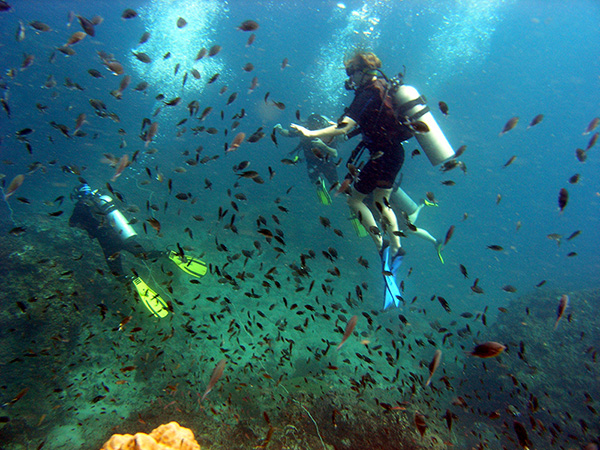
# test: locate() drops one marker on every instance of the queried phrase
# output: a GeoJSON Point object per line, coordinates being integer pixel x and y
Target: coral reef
{"type": "Point", "coordinates": [170, 436]}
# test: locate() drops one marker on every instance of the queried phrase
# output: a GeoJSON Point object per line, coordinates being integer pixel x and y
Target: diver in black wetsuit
{"type": "Point", "coordinates": [319, 155]}
{"type": "Point", "coordinates": [98, 215]}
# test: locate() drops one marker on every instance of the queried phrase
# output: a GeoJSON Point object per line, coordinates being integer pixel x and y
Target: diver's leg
{"type": "Point", "coordinates": [365, 216]}
{"type": "Point", "coordinates": [381, 199]}
{"type": "Point", "coordinates": [112, 255]}
{"type": "Point", "coordinates": [401, 201]}
{"type": "Point", "coordinates": [329, 171]}
{"type": "Point", "coordinates": [424, 234]}
{"type": "Point", "coordinates": [132, 246]}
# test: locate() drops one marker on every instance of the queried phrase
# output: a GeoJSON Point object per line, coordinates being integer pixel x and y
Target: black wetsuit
{"type": "Point", "coordinates": [88, 216]}
{"type": "Point", "coordinates": [382, 135]}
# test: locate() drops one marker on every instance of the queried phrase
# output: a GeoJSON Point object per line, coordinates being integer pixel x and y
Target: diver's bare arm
{"type": "Point", "coordinates": [334, 130]}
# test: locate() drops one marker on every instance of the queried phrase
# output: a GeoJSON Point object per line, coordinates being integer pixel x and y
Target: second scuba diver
{"type": "Point", "coordinates": [319, 155]}
{"type": "Point", "coordinates": [382, 134]}
{"type": "Point", "coordinates": [98, 215]}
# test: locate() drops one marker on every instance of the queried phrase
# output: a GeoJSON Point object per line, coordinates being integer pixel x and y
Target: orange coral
{"type": "Point", "coordinates": [170, 436]}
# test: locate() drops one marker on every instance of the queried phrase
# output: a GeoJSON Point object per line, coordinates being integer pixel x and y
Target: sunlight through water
{"type": "Point", "coordinates": [184, 43]}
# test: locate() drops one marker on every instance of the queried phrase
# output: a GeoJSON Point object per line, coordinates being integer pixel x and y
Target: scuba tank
{"type": "Point", "coordinates": [116, 219]}
{"type": "Point", "coordinates": [410, 104]}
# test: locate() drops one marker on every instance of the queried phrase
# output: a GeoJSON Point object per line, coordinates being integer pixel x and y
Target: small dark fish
{"type": "Point", "coordinates": [592, 125]}
{"type": "Point", "coordinates": [463, 270]}
{"type": "Point", "coordinates": [488, 350]}
{"type": "Point", "coordinates": [251, 40]}
{"type": "Point", "coordinates": [509, 288]}
{"type": "Point", "coordinates": [419, 127]}
{"type": "Point", "coordinates": [563, 199]}
{"type": "Point", "coordinates": [433, 365]}
{"type": "Point", "coordinates": [248, 25]}
{"type": "Point", "coordinates": [592, 141]}
{"type": "Point", "coordinates": [522, 437]}
{"type": "Point", "coordinates": [87, 26]}
{"type": "Point", "coordinates": [460, 151]}
{"type": "Point", "coordinates": [574, 179]}
{"type": "Point", "coordinates": [4, 6]}
{"type": "Point", "coordinates": [145, 37]}
{"type": "Point", "coordinates": [216, 374]}
{"type": "Point", "coordinates": [448, 182]}
{"type": "Point", "coordinates": [562, 306]}
{"type": "Point", "coordinates": [581, 155]}
{"type": "Point", "coordinates": [201, 54]}
{"type": "Point", "coordinates": [496, 248]}
{"type": "Point", "coordinates": [76, 37]}
{"type": "Point", "coordinates": [173, 102]}
{"type": "Point", "coordinates": [214, 50]}
{"type": "Point", "coordinates": [143, 57]}
{"type": "Point", "coordinates": [27, 61]}
{"type": "Point", "coordinates": [24, 132]}
{"type": "Point", "coordinates": [39, 26]}
{"type": "Point", "coordinates": [449, 234]}
{"type": "Point", "coordinates": [284, 63]}
{"type": "Point", "coordinates": [512, 122]}
{"type": "Point", "coordinates": [420, 423]}
{"type": "Point", "coordinates": [17, 231]}
{"type": "Point", "coordinates": [475, 288]}
{"type": "Point", "coordinates": [537, 119]}
{"type": "Point", "coordinates": [443, 108]}
{"type": "Point", "coordinates": [154, 224]}
{"type": "Point", "coordinates": [510, 161]}
{"type": "Point", "coordinates": [181, 22]}
{"type": "Point", "coordinates": [195, 74]}
{"type": "Point", "coordinates": [213, 78]}
{"type": "Point", "coordinates": [232, 98]}
{"type": "Point", "coordinates": [279, 105]}
{"type": "Point", "coordinates": [205, 113]}
{"type": "Point", "coordinates": [574, 235]}
{"type": "Point", "coordinates": [349, 329]}
{"type": "Point", "coordinates": [444, 303]}
{"type": "Point", "coordinates": [248, 67]}
{"type": "Point", "coordinates": [415, 152]}
{"type": "Point", "coordinates": [95, 73]}
{"type": "Point", "coordinates": [129, 14]}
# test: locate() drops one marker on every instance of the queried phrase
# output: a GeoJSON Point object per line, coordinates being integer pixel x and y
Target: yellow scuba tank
{"type": "Point", "coordinates": [410, 106]}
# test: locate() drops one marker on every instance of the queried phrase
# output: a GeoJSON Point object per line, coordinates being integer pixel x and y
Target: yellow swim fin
{"type": "Point", "coordinates": [192, 266]}
{"type": "Point", "coordinates": [323, 193]}
{"type": "Point", "coordinates": [151, 299]}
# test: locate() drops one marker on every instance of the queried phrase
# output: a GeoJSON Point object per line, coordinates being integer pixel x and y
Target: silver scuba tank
{"type": "Point", "coordinates": [411, 106]}
{"type": "Point", "coordinates": [116, 219]}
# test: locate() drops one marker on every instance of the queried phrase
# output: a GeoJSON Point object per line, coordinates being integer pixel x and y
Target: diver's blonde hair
{"type": "Point", "coordinates": [362, 60]}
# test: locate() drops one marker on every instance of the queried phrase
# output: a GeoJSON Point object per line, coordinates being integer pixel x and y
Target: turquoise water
{"type": "Point", "coordinates": [274, 312]}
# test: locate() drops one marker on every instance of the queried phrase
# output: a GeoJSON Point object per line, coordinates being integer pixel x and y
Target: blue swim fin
{"type": "Point", "coordinates": [392, 292]}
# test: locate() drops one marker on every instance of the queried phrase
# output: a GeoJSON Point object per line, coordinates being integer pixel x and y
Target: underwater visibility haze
{"type": "Point", "coordinates": [250, 309]}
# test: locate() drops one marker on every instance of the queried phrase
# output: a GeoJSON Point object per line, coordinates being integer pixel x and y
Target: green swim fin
{"type": "Point", "coordinates": [439, 248]}
{"type": "Point", "coordinates": [151, 299]}
{"type": "Point", "coordinates": [358, 227]}
{"type": "Point", "coordinates": [192, 266]}
{"type": "Point", "coordinates": [323, 193]}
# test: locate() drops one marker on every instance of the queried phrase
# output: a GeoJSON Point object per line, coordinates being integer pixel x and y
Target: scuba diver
{"type": "Point", "coordinates": [318, 155]}
{"type": "Point", "coordinates": [98, 215]}
{"type": "Point", "coordinates": [387, 113]}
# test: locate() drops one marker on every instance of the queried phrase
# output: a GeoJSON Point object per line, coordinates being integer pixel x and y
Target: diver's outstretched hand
{"type": "Point", "coordinates": [300, 129]}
